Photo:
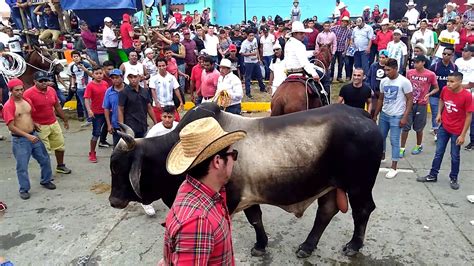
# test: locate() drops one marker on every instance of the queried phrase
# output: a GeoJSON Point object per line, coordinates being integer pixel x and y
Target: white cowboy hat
{"type": "Point", "coordinates": [297, 26]}
{"type": "Point", "coordinates": [366, 7]}
{"type": "Point", "coordinates": [148, 51]}
{"type": "Point", "coordinates": [276, 46]}
{"type": "Point", "coordinates": [225, 63]}
{"type": "Point", "coordinates": [345, 18]}
{"type": "Point", "coordinates": [108, 19]}
{"type": "Point", "coordinates": [397, 31]}
{"type": "Point", "coordinates": [385, 21]}
{"type": "Point", "coordinates": [411, 3]}
{"type": "Point", "coordinates": [452, 4]}
{"type": "Point", "coordinates": [421, 47]}
{"type": "Point", "coordinates": [199, 140]}
{"type": "Point", "coordinates": [341, 5]}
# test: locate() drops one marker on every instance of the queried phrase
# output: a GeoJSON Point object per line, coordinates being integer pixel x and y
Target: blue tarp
{"type": "Point", "coordinates": [94, 11]}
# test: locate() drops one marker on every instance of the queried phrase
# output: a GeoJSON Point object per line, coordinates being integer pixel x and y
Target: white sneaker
{"type": "Point", "coordinates": [149, 210]}
{"type": "Point", "coordinates": [391, 173]}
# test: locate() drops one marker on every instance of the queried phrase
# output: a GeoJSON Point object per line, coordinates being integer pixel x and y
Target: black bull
{"type": "Point", "coordinates": [287, 161]}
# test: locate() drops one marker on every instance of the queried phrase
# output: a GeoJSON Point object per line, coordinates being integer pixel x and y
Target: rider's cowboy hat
{"type": "Point", "coordinates": [199, 140]}
{"type": "Point", "coordinates": [297, 26]}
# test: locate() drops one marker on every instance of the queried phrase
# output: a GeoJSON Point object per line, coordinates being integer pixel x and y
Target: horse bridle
{"type": "Point", "coordinates": [52, 63]}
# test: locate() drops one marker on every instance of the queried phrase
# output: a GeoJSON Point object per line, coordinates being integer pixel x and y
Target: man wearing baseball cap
{"type": "Point", "coordinates": [398, 51]}
{"type": "Point", "coordinates": [199, 212]}
{"type": "Point", "coordinates": [110, 104]}
{"type": "Point", "coordinates": [25, 140]}
{"type": "Point", "coordinates": [45, 102]}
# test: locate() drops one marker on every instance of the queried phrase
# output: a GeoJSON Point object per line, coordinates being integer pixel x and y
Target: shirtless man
{"type": "Point", "coordinates": [25, 140]}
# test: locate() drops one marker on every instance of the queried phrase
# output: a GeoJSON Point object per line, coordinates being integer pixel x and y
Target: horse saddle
{"type": "Point", "coordinates": [313, 88]}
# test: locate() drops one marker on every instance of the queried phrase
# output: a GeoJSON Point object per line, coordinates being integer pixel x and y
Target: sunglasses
{"type": "Point", "coordinates": [234, 153]}
{"type": "Point", "coordinates": [43, 80]}
{"type": "Point", "coordinates": [447, 54]}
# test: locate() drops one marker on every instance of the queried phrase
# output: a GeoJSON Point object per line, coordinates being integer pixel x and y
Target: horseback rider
{"type": "Point", "coordinates": [296, 59]}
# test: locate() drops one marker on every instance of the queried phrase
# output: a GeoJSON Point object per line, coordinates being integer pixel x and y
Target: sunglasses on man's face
{"type": "Point", "coordinates": [234, 153]}
{"type": "Point", "coordinates": [43, 80]}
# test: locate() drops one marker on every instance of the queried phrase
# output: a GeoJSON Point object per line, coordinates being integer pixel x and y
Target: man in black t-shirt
{"type": "Point", "coordinates": [357, 93]}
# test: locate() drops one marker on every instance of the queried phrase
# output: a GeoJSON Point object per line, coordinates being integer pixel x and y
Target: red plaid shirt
{"type": "Point", "coordinates": [198, 229]}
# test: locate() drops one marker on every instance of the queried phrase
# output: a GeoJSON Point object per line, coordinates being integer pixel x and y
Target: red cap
{"type": "Point", "coordinates": [14, 82]}
{"type": "Point", "coordinates": [232, 47]}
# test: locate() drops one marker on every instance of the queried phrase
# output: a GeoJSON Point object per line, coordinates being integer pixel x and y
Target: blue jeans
{"type": "Point", "coordinates": [182, 80]}
{"type": "Point", "coordinates": [234, 109]}
{"type": "Point", "coordinates": [339, 56]}
{"type": "Point", "coordinates": [266, 62]}
{"type": "Point", "coordinates": [34, 17]}
{"type": "Point", "coordinates": [434, 102]}
{"type": "Point", "coordinates": [253, 69]}
{"type": "Point", "coordinates": [361, 60]}
{"type": "Point", "coordinates": [80, 100]}
{"type": "Point", "coordinates": [97, 123]}
{"type": "Point", "coordinates": [392, 124]}
{"type": "Point", "coordinates": [23, 149]}
{"type": "Point", "coordinates": [349, 65]}
{"type": "Point", "coordinates": [15, 14]}
{"type": "Point", "coordinates": [93, 55]}
{"type": "Point", "coordinates": [61, 97]}
{"type": "Point", "coordinates": [471, 132]}
{"type": "Point", "coordinates": [443, 138]}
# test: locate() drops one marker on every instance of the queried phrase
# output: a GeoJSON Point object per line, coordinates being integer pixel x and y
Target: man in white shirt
{"type": "Point", "coordinates": [424, 36]}
{"type": "Point", "coordinates": [166, 125]}
{"type": "Point", "coordinates": [110, 41]}
{"type": "Point", "coordinates": [163, 85]}
{"type": "Point", "coordinates": [412, 14]}
{"type": "Point", "coordinates": [228, 83]}
{"type": "Point", "coordinates": [447, 38]}
{"type": "Point", "coordinates": [398, 50]}
{"type": "Point", "coordinates": [266, 50]}
{"type": "Point", "coordinates": [134, 65]}
{"type": "Point", "coordinates": [211, 43]}
{"type": "Point", "coordinates": [465, 65]}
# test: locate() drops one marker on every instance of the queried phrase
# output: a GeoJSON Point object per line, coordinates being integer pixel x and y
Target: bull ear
{"type": "Point", "coordinates": [135, 174]}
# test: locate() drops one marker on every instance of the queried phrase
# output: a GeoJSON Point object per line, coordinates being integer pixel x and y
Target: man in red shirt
{"type": "Point", "coordinates": [209, 79]}
{"type": "Point", "coordinates": [344, 12]}
{"type": "Point", "coordinates": [421, 79]}
{"type": "Point", "coordinates": [383, 36]}
{"type": "Point", "coordinates": [94, 97]}
{"type": "Point", "coordinates": [455, 113]}
{"type": "Point", "coordinates": [25, 142]}
{"type": "Point", "coordinates": [46, 103]}
{"type": "Point", "coordinates": [127, 33]}
{"type": "Point", "coordinates": [198, 226]}
{"type": "Point", "coordinates": [195, 83]}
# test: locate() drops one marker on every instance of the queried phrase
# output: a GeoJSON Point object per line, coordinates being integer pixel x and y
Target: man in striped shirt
{"type": "Point", "coordinates": [163, 85]}
{"type": "Point", "coordinates": [343, 37]}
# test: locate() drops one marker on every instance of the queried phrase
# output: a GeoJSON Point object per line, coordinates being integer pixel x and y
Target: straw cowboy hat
{"type": "Point", "coordinates": [411, 3]}
{"type": "Point", "coordinates": [297, 26]}
{"type": "Point", "coordinates": [199, 140]}
{"type": "Point", "coordinates": [421, 47]}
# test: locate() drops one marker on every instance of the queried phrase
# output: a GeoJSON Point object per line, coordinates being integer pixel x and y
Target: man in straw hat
{"type": "Point", "coordinates": [412, 14]}
{"type": "Point", "coordinates": [198, 229]}
{"type": "Point", "coordinates": [469, 13]}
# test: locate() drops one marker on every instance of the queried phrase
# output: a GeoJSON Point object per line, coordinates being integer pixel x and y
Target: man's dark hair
{"type": "Point", "coordinates": [160, 59]}
{"type": "Point", "coordinates": [208, 59]}
{"type": "Point", "coordinates": [169, 109]}
{"type": "Point", "coordinates": [458, 75]}
{"type": "Point", "coordinates": [96, 68]}
{"type": "Point", "coordinates": [453, 21]}
{"type": "Point", "coordinates": [133, 51]}
{"type": "Point", "coordinates": [75, 52]}
{"type": "Point", "coordinates": [108, 63]}
{"type": "Point", "coordinates": [392, 63]}
{"type": "Point", "coordinates": [449, 48]}
{"type": "Point", "coordinates": [359, 69]}
{"type": "Point", "coordinates": [327, 22]}
{"type": "Point", "coordinates": [202, 169]}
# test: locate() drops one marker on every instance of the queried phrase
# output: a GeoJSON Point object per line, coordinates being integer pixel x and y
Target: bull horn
{"type": "Point", "coordinates": [127, 130]}
{"type": "Point", "coordinates": [128, 139]}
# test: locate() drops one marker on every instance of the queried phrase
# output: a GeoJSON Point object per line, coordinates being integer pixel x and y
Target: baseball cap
{"type": "Point", "coordinates": [383, 52]}
{"type": "Point", "coordinates": [133, 72]}
{"type": "Point", "coordinates": [41, 75]}
{"type": "Point", "coordinates": [468, 48]}
{"type": "Point", "coordinates": [420, 58]}
{"type": "Point", "coordinates": [232, 47]}
{"type": "Point", "coordinates": [108, 19]}
{"type": "Point", "coordinates": [14, 82]}
{"type": "Point", "coordinates": [203, 52]}
{"type": "Point", "coordinates": [397, 31]}
{"type": "Point", "coordinates": [116, 72]}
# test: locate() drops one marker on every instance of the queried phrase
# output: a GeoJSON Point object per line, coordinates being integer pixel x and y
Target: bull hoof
{"type": "Point", "coordinates": [303, 251]}
{"type": "Point", "coordinates": [257, 252]}
{"type": "Point", "coordinates": [349, 250]}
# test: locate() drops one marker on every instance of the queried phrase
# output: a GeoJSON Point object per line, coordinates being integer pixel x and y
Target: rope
{"type": "Point", "coordinates": [17, 66]}
{"type": "Point", "coordinates": [223, 99]}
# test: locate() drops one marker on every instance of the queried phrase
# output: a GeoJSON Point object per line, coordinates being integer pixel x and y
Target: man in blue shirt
{"type": "Point", "coordinates": [111, 102]}
{"type": "Point", "coordinates": [52, 32]}
{"type": "Point", "coordinates": [442, 69]}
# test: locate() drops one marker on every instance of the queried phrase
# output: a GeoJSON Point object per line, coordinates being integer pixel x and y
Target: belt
{"type": "Point", "coordinates": [18, 136]}
{"type": "Point", "coordinates": [207, 98]}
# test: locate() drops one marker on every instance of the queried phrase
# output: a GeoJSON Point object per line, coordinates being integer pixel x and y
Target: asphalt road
{"type": "Point", "coordinates": [414, 223]}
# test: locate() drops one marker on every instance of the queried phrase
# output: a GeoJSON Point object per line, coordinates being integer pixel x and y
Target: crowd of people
{"type": "Point", "coordinates": [393, 68]}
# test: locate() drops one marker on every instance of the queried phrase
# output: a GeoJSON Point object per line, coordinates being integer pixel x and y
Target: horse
{"type": "Point", "coordinates": [39, 60]}
{"type": "Point", "coordinates": [294, 95]}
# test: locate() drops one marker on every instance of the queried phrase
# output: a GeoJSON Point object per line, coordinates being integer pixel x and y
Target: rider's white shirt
{"type": "Point", "coordinates": [295, 57]}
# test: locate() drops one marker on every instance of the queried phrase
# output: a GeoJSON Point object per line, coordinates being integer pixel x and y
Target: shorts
{"type": "Point", "coordinates": [416, 118]}
{"type": "Point", "coordinates": [52, 137]}
{"type": "Point", "coordinates": [97, 123]}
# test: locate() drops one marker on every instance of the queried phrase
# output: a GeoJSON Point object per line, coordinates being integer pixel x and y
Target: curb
{"type": "Point", "coordinates": [246, 106]}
